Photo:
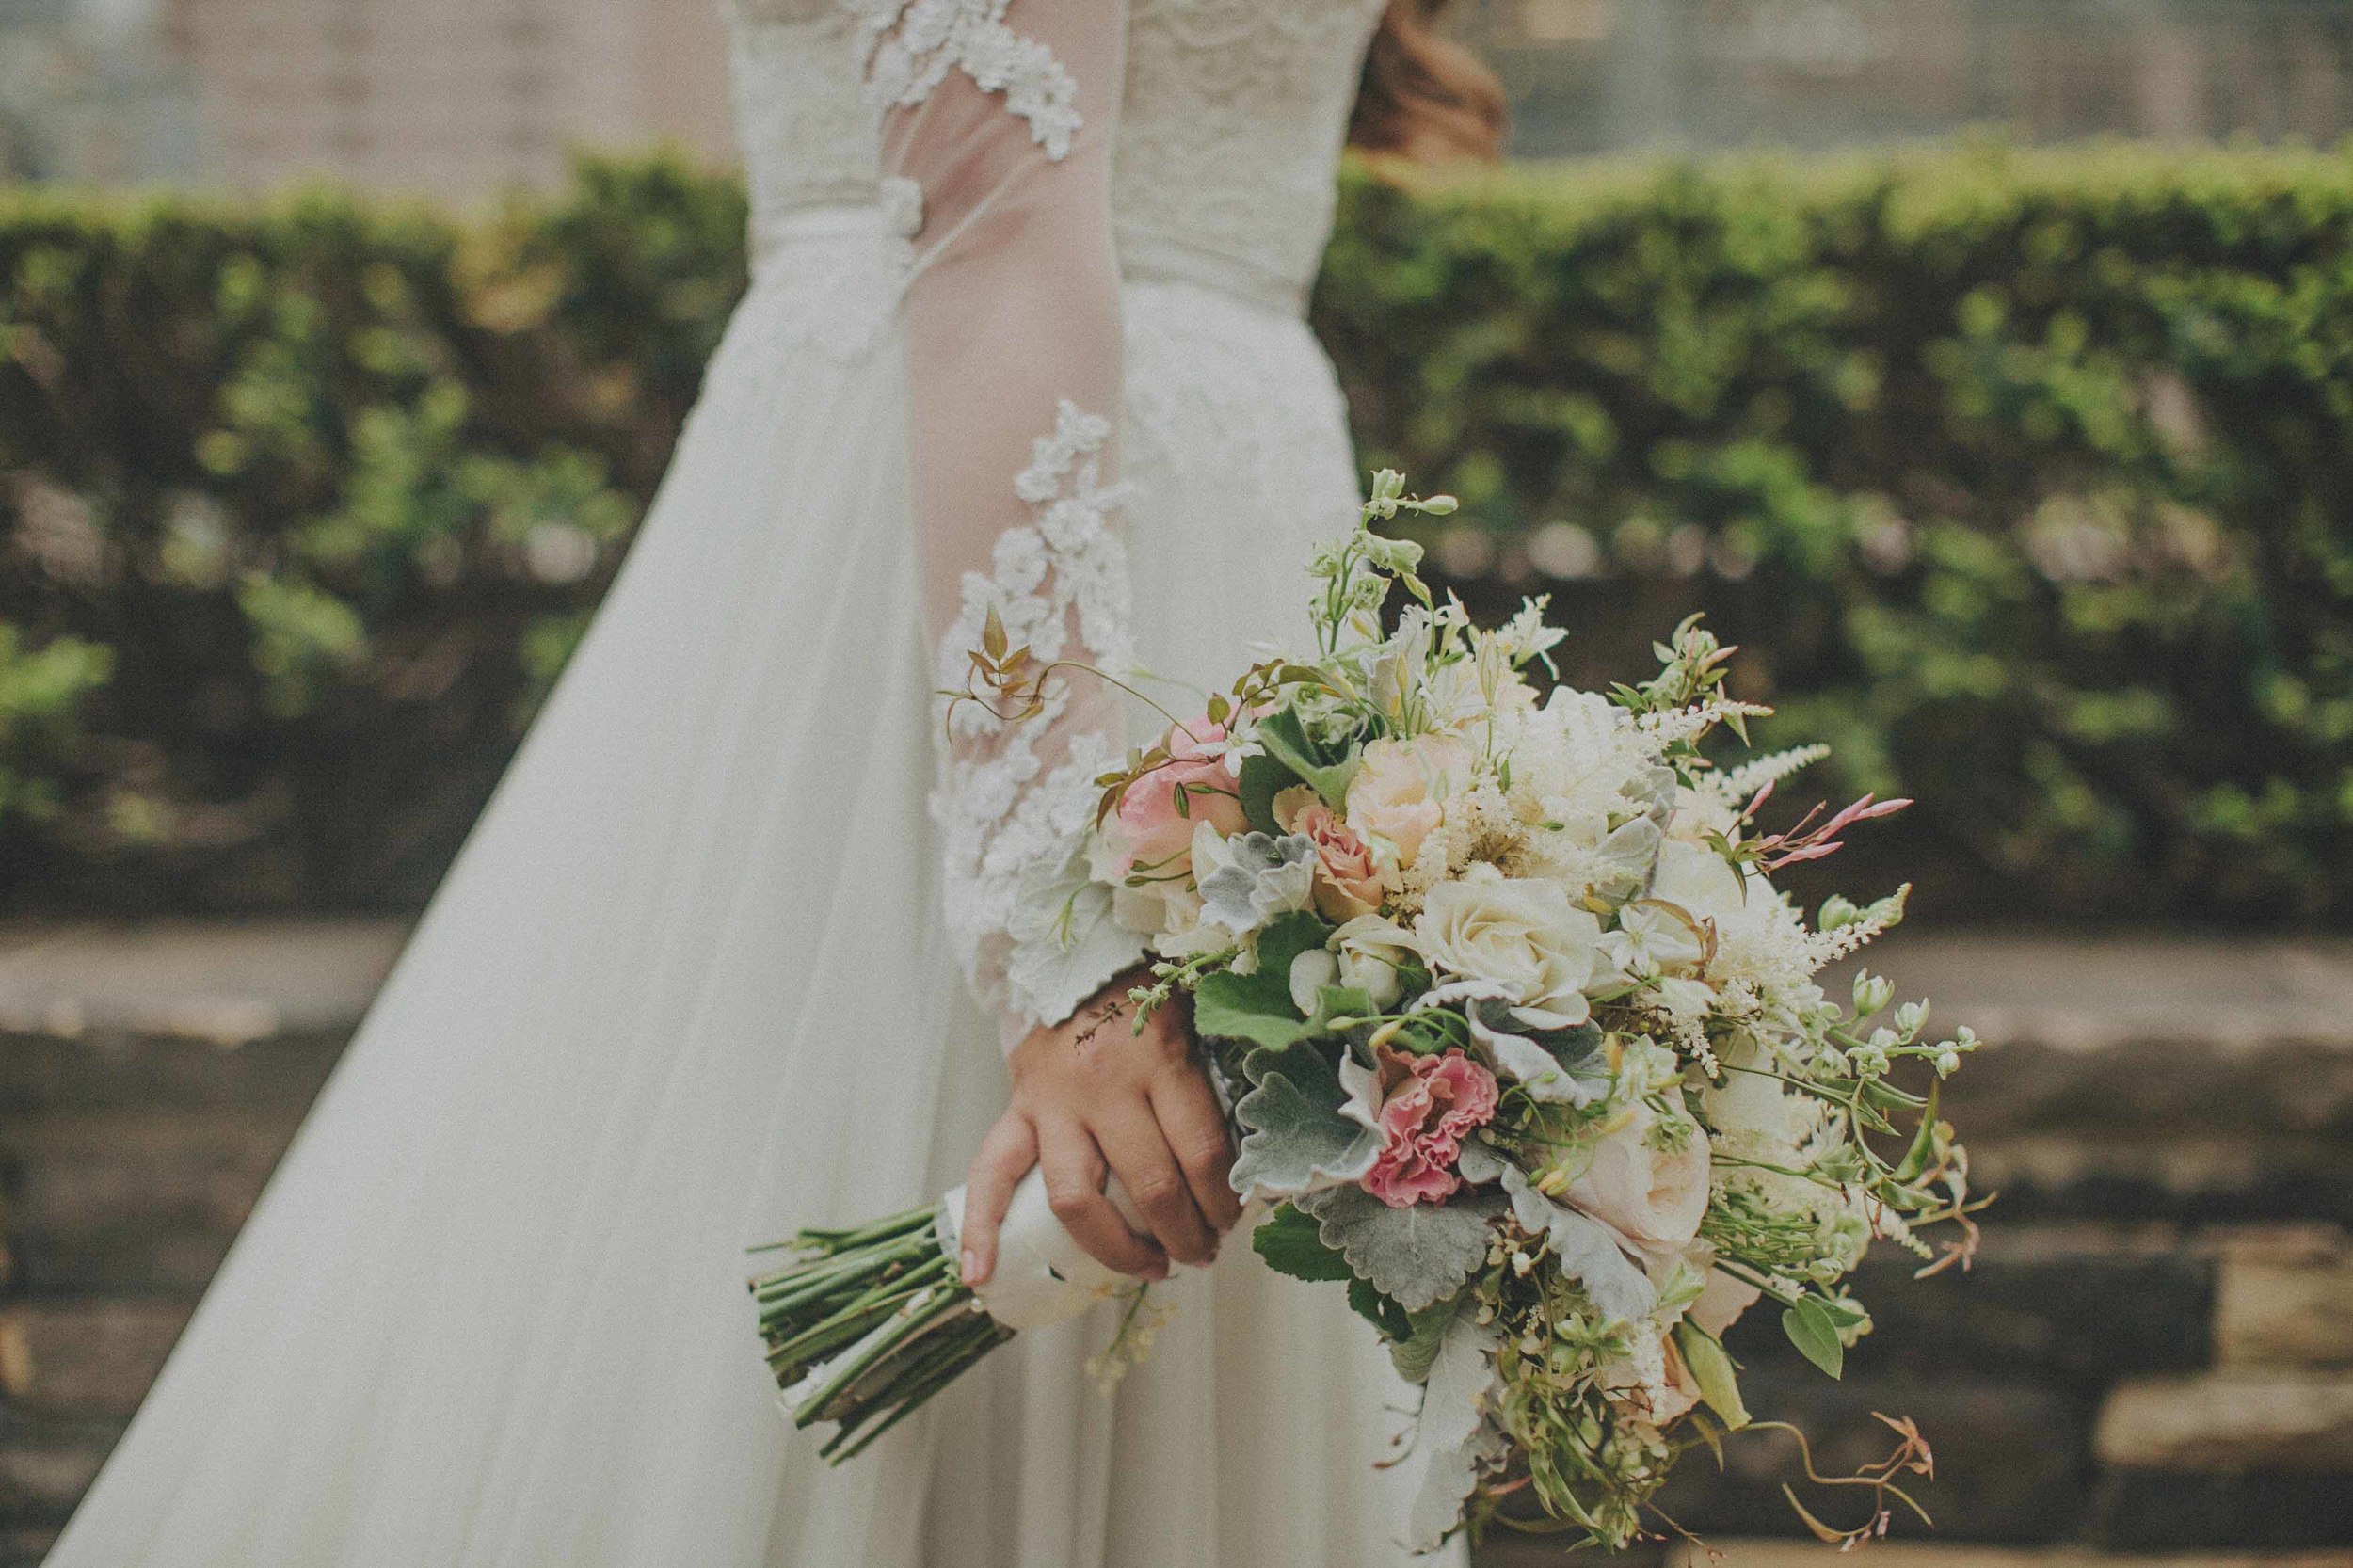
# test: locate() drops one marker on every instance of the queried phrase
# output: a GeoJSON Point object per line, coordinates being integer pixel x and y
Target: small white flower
{"type": "Point", "coordinates": [1311, 971]}
{"type": "Point", "coordinates": [1371, 949]}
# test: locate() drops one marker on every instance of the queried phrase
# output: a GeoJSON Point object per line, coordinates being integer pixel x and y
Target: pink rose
{"type": "Point", "coordinates": [1428, 1103]}
{"type": "Point", "coordinates": [1401, 789]}
{"type": "Point", "coordinates": [1347, 879]}
{"type": "Point", "coordinates": [1158, 812]}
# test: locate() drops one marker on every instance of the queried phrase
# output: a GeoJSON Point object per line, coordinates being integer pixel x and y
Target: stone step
{"type": "Point", "coordinates": [140, 1200]}
{"type": "Point", "coordinates": [2232, 1421]}
{"type": "Point", "coordinates": [2070, 1304]}
{"type": "Point", "coordinates": [2238, 1456]}
{"type": "Point", "coordinates": [2012, 1454]}
{"type": "Point", "coordinates": [225, 981]}
{"type": "Point", "coordinates": [2139, 1172]}
{"type": "Point", "coordinates": [2178, 1032]}
{"type": "Point", "coordinates": [1736, 1552]}
{"type": "Point", "coordinates": [2158, 1510]}
{"type": "Point", "coordinates": [2286, 1299]}
{"type": "Point", "coordinates": [183, 1013]}
{"type": "Point", "coordinates": [46, 1465]}
{"type": "Point", "coordinates": [26, 1547]}
{"type": "Point", "coordinates": [90, 1358]}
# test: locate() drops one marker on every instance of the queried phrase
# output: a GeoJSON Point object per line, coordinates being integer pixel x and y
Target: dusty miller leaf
{"type": "Point", "coordinates": [1416, 1255]}
{"type": "Point", "coordinates": [1414, 1356]}
{"type": "Point", "coordinates": [1295, 1139]}
{"type": "Point", "coordinates": [1447, 1447]}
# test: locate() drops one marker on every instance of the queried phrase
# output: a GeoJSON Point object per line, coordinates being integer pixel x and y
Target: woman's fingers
{"type": "Point", "coordinates": [1130, 1138]}
{"type": "Point", "coordinates": [1006, 1155]}
{"type": "Point", "coordinates": [1073, 1168]}
{"type": "Point", "coordinates": [1194, 1125]}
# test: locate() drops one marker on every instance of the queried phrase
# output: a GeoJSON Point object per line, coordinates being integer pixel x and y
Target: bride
{"type": "Point", "coordinates": [732, 949]}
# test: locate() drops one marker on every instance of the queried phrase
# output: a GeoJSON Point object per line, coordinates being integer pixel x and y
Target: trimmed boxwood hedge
{"type": "Point", "coordinates": [2024, 478]}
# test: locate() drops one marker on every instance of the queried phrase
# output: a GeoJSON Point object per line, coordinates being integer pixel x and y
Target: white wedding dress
{"type": "Point", "coordinates": [700, 975]}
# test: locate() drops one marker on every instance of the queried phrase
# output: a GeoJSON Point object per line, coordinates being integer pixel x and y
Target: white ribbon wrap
{"type": "Point", "coordinates": [1042, 1276]}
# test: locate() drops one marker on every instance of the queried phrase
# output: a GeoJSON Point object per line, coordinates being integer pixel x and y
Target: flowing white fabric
{"type": "Point", "coordinates": [690, 984]}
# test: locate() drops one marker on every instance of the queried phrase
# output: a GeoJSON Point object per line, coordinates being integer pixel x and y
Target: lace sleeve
{"type": "Point", "coordinates": [999, 120]}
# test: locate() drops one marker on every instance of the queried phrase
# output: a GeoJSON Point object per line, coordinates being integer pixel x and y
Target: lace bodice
{"type": "Point", "coordinates": [800, 108]}
{"type": "Point", "coordinates": [1234, 116]}
{"type": "Point", "coordinates": [1236, 111]}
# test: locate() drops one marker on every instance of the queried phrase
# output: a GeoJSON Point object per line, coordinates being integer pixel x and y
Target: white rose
{"type": "Point", "coordinates": [1524, 937]}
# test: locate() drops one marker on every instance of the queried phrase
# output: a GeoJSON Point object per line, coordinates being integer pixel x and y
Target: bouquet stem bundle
{"type": "Point", "coordinates": [863, 1325]}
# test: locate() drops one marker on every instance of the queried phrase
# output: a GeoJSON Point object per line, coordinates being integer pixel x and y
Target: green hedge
{"type": "Point", "coordinates": [2027, 479]}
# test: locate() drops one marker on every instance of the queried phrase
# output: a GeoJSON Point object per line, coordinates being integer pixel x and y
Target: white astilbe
{"type": "Point", "coordinates": [1829, 947]}
{"type": "Point", "coordinates": [1688, 723]}
{"type": "Point", "coordinates": [1733, 787]}
{"type": "Point", "coordinates": [1765, 943]}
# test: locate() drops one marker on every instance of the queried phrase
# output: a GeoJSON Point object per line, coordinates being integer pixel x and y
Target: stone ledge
{"type": "Point", "coordinates": [85, 1358]}
{"type": "Point", "coordinates": [1739, 1553]}
{"type": "Point", "coordinates": [2285, 1299]}
{"type": "Point", "coordinates": [2075, 1305]}
{"type": "Point", "coordinates": [2163, 1510]}
{"type": "Point", "coordinates": [2080, 994]}
{"type": "Point", "coordinates": [226, 982]}
{"type": "Point", "coordinates": [2231, 1422]}
{"type": "Point", "coordinates": [47, 1465]}
{"type": "Point", "coordinates": [2012, 1452]}
{"type": "Point", "coordinates": [141, 1201]}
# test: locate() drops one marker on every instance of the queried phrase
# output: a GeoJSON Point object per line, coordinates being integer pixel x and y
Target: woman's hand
{"type": "Point", "coordinates": [1092, 1096]}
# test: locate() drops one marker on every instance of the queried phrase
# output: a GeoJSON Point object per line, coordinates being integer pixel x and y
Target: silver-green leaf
{"type": "Point", "coordinates": [1295, 1141]}
{"type": "Point", "coordinates": [1414, 1255]}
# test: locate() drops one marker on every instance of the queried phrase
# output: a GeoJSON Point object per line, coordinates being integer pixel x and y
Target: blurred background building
{"type": "Point", "coordinates": [454, 97]}
{"type": "Point", "coordinates": [461, 97]}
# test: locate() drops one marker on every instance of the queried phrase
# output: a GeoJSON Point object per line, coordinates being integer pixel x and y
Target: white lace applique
{"type": "Point", "coordinates": [915, 44]}
{"type": "Point", "coordinates": [1036, 936]}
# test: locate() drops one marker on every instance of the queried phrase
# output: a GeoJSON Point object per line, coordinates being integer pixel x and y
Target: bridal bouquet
{"type": "Point", "coordinates": [1523, 1046]}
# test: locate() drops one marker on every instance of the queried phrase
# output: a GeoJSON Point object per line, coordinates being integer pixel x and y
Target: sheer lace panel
{"type": "Point", "coordinates": [1001, 113]}
{"type": "Point", "coordinates": [915, 45]}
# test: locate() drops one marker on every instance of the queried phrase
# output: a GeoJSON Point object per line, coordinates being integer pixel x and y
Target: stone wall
{"type": "Point", "coordinates": [2153, 1354]}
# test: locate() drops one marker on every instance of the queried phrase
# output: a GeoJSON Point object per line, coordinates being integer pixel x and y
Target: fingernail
{"type": "Point", "coordinates": [968, 1265]}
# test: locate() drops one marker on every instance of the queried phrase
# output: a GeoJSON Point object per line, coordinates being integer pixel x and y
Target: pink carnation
{"type": "Point", "coordinates": [1428, 1104]}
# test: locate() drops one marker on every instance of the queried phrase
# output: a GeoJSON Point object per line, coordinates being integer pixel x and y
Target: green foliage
{"type": "Point", "coordinates": [1286, 1239]}
{"type": "Point", "coordinates": [1811, 1328]}
{"type": "Point", "coordinates": [2022, 478]}
{"type": "Point", "coordinates": [306, 504]}
{"type": "Point", "coordinates": [1258, 1006]}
